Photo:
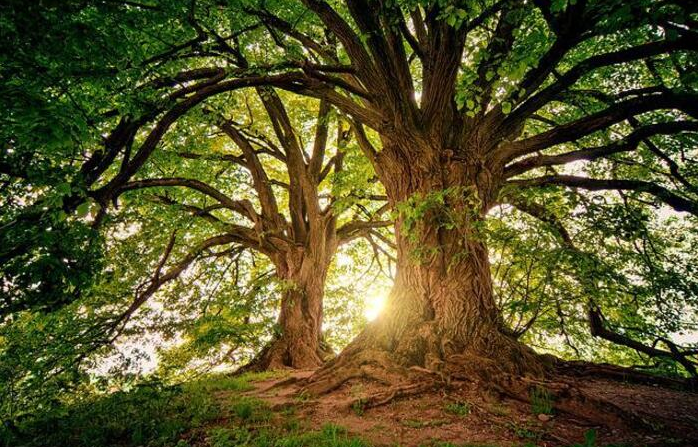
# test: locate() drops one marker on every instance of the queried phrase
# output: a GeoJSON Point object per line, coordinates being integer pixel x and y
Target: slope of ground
{"type": "Point", "coordinates": [270, 410]}
{"type": "Point", "coordinates": [462, 415]}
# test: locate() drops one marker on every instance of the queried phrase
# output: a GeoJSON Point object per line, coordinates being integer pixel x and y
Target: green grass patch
{"type": "Point", "coordinates": [248, 409]}
{"type": "Point", "coordinates": [524, 431]}
{"type": "Point", "coordinates": [156, 415]}
{"type": "Point", "coordinates": [359, 406]}
{"type": "Point", "coordinates": [149, 415]}
{"type": "Point", "coordinates": [458, 408]}
{"type": "Point", "coordinates": [541, 401]}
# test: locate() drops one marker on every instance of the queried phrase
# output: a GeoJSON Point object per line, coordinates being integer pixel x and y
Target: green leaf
{"type": "Point", "coordinates": [83, 209]}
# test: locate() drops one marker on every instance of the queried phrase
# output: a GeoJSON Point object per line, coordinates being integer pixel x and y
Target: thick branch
{"type": "Point", "coordinates": [598, 329]}
{"type": "Point", "coordinates": [687, 103]}
{"type": "Point", "coordinates": [288, 80]}
{"type": "Point", "coordinates": [261, 182]}
{"type": "Point", "coordinates": [664, 195]}
{"type": "Point", "coordinates": [349, 39]}
{"type": "Point", "coordinates": [544, 215]}
{"type": "Point", "coordinates": [356, 229]}
{"type": "Point", "coordinates": [242, 207]}
{"type": "Point", "coordinates": [320, 141]}
{"type": "Point", "coordinates": [627, 144]}
{"type": "Point", "coordinates": [546, 95]}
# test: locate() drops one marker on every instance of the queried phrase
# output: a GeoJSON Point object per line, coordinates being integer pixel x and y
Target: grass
{"type": "Point", "coordinates": [302, 397]}
{"type": "Point", "coordinates": [499, 409]}
{"type": "Point", "coordinates": [251, 410]}
{"type": "Point", "coordinates": [524, 431]}
{"type": "Point", "coordinates": [149, 415]}
{"type": "Point", "coordinates": [192, 415]}
{"type": "Point", "coordinates": [329, 435]}
{"type": "Point", "coordinates": [458, 408]}
{"type": "Point", "coordinates": [541, 401]}
{"type": "Point", "coordinates": [359, 406]}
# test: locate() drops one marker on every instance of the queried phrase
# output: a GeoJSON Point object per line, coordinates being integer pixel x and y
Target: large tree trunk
{"type": "Point", "coordinates": [441, 313]}
{"type": "Point", "coordinates": [298, 342]}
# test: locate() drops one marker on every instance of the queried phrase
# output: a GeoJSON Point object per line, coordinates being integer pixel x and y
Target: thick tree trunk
{"type": "Point", "coordinates": [441, 313]}
{"type": "Point", "coordinates": [298, 342]}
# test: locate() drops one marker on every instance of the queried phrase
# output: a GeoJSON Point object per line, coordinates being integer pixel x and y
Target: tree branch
{"type": "Point", "coordinates": [359, 228]}
{"type": "Point", "coordinates": [627, 144]}
{"type": "Point", "coordinates": [242, 207]}
{"type": "Point", "coordinates": [664, 195]}
{"type": "Point", "coordinates": [546, 95]}
{"type": "Point", "coordinates": [687, 103]}
{"type": "Point", "coordinates": [598, 329]}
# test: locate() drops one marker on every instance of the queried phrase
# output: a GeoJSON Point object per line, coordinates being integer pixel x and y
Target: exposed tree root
{"type": "Point", "coordinates": [417, 363]}
{"type": "Point", "coordinates": [566, 397]}
{"type": "Point", "coordinates": [280, 354]}
{"type": "Point", "coordinates": [393, 393]}
{"type": "Point", "coordinates": [284, 383]}
{"type": "Point", "coordinates": [622, 374]}
{"type": "Point", "coordinates": [376, 365]}
{"type": "Point", "coordinates": [369, 364]}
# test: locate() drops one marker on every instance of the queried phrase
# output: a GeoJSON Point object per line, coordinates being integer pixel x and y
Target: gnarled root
{"type": "Point", "coordinates": [422, 360]}
{"type": "Point", "coordinates": [566, 397]}
{"type": "Point", "coordinates": [368, 364]}
{"type": "Point", "coordinates": [281, 354]}
{"type": "Point", "coordinates": [422, 351]}
{"type": "Point", "coordinates": [622, 374]}
{"type": "Point", "coordinates": [392, 393]}
{"type": "Point", "coordinates": [376, 365]}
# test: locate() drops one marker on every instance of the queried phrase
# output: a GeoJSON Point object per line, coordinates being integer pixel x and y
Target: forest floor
{"type": "Point", "coordinates": [271, 410]}
{"type": "Point", "coordinates": [463, 416]}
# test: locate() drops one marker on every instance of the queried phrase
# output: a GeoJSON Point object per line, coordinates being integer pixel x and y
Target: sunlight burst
{"type": "Point", "coordinates": [373, 306]}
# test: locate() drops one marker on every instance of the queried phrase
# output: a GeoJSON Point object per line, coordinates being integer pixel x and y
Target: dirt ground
{"type": "Point", "coordinates": [462, 414]}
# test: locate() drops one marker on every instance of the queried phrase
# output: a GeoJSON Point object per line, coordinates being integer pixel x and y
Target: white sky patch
{"type": "Point", "coordinates": [686, 338]}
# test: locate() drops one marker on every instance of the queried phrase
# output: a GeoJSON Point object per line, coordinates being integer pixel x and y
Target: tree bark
{"type": "Point", "coordinates": [441, 314]}
{"type": "Point", "coordinates": [298, 342]}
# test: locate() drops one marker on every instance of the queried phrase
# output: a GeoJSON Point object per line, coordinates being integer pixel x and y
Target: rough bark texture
{"type": "Point", "coordinates": [299, 341]}
{"type": "Point", "coordinates": [441, 315]}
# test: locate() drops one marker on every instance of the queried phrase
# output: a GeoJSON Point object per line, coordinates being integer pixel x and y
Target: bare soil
{"type": "Point", "coordinates": [462, 413]}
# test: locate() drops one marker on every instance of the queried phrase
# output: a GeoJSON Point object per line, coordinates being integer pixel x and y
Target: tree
{"type": "Point", "coordinates": [301, 240]}
{"type": "Point", "coordinates": [468, 100]}
{"type": "Point", "coordinates": [108, 93]}
{"type": "Point", "coordinates": [466, 116]}
{"type": "Point", "coordinates": [460, 107]}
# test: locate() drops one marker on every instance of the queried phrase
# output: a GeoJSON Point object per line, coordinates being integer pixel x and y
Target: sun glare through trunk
{"type": "Point", "coordinates": [374, 306]}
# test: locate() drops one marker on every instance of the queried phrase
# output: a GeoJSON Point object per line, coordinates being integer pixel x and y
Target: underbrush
{"type": "Point", "coordinates": [150, 415]}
